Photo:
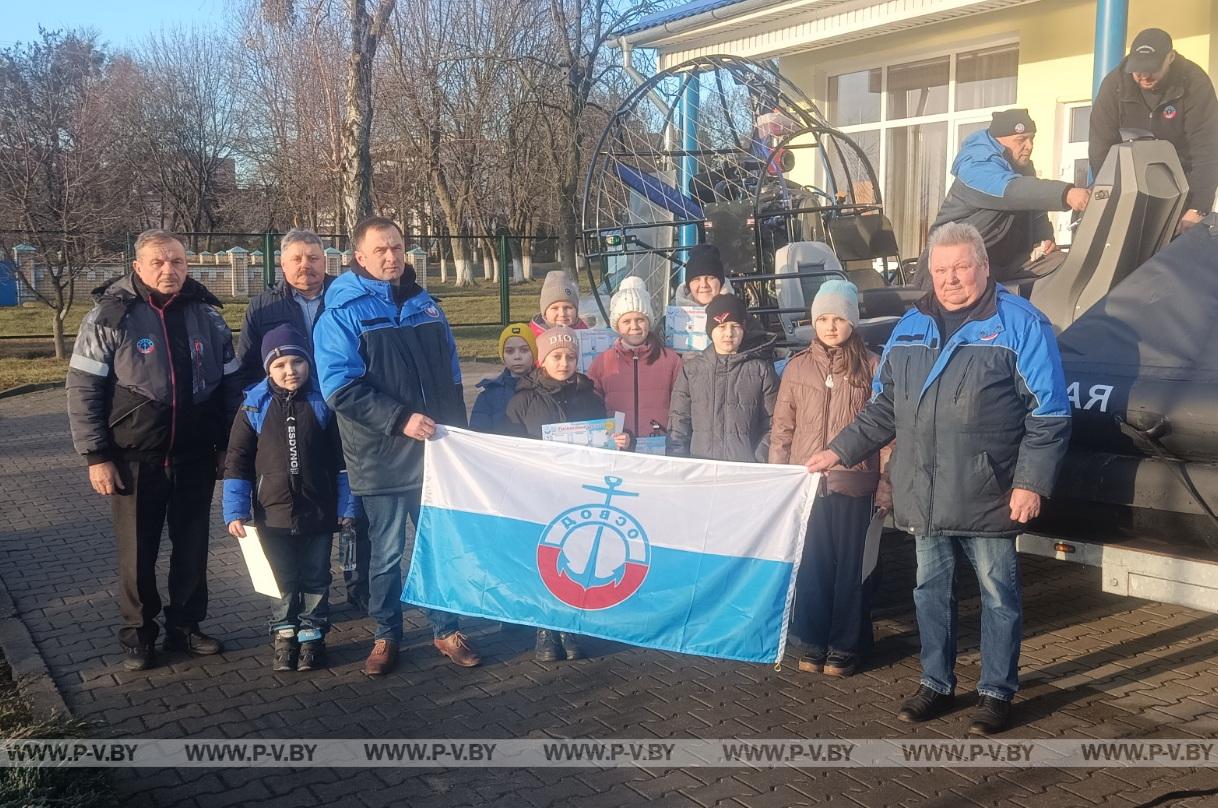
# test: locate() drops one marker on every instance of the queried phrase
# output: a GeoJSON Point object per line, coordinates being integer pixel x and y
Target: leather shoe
{"type": "Point", "coordinates": [991, 716]}
{"type": "Point", "coordinates": [546, 648]}
{"type": "Point", "coordinates": [383, 658]}
{"type": "Point", "coordinates": [457, 648]}
{"type": "Point", "coordinates": [192, 641]}
{"type": "Point", "coordinates": [925, 705]}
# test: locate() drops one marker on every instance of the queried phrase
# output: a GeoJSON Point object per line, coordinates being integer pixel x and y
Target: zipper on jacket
{"type": "Point", "coordinates": [934, 456]}
{"type": "Point", "coordinates": [637, 428]}
{"type": "Point", "coordinates": [173, 379]}
{"type": "Point", "coordinates": [963, 379]}
{"type": "Point", "coordinates": [824, 424]}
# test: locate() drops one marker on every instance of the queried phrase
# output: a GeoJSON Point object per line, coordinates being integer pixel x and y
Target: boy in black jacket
{"type": "Point", "coordinates": [286, 439]}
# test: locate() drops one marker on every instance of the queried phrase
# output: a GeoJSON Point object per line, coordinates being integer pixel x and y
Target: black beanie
{"type": "Point", "coordinates": [703, 260]}
{"type": "Point", "coordinates": [1012, 122]}
{"type": "Point", "coordinates": [725, 309]}
{"type": "Point", "coordinates": [282, 340]}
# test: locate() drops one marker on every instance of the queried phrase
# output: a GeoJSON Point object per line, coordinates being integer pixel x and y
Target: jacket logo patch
{"type": "Point", "coordinates": [431, 311]}
{"type": "Point", "coordinates": [145, 346]}
{"type": "Point", "coordinates": [993, 335]}
{"type": "Point", "coordinates": [1169, 112]}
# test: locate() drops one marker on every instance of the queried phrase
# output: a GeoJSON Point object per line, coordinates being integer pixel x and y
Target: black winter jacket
{"type": "Point", "coordinates": [147, 383]}
{"type": "Point", "coordinates": [1186, 116]}
{"type": "Point", "coordinates": [722, 405]}
{"type": "Point", "coordinates": [285, 456]}
{"type": "Point", "coordinates": [539, 400]}
{"type": "Point", "coordinates": [267, 310]}
{"type": "Point", "coordinates": [974, 416]}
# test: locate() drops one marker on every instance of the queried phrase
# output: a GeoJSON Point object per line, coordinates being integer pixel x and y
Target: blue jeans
{"type": "Point", "coordinates": [997, 568]}
{"type": "Point", "coordinates": [387, 515]}
{"type": "Point", "coordinates": [302, 569]}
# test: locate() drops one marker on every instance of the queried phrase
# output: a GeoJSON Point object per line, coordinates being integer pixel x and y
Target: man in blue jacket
{"type": "Point", "coordinates": [996, 190]}
{"type": "Point", "coordinates": [388, 367]}
{"type": "Point", "coordinates": [971, 387]}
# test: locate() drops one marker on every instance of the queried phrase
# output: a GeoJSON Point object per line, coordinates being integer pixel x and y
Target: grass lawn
{"type": "Point", "coordinates": [50, 786]}
{"type": "Point", "coordinates": [474, 304]}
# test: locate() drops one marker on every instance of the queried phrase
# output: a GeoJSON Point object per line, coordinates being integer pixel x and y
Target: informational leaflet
{"type": "Point", "coordinates": [685, 327]}
{"type": "Point", "coordinates": [260, 568]}
{"type": "Point", "coordinates": [652, 445]}
{"type": "Point", "coordinates": [592, 343]}
{"type": "Point", "coordinates": [597, 433]}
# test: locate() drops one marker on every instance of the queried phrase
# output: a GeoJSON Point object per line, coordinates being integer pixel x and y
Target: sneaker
{"type": "Point", "coordinates": [285, 654]}
{"type": "Point", "coordinates": [140, 657]}
{"type": "Point", "coordinates": [546, 649]}
{"type": "Point", "coordinates": [570, 645]}
{"type": "Point", "coordinates": [812, 663]}
{"type": "Point", "coordinates": [990, 717]}
{"type": "Point", "coordinates": [925, 705]}
{"type": "Point", "coordinates": [312, 656]}
{"type": "Point", "coordinates": [383, 658]}
{"type": "Point", "coordinates": [192, 641]}
{"type": "Point", "coordinates": [457, 648]}
{"type": "Point", "coordinates": [841, 666]}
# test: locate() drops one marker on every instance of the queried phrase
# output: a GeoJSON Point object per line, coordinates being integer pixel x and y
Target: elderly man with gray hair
{"type": "Point", "coordinates": [971, 387]}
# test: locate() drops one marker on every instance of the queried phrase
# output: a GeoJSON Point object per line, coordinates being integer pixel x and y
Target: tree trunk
{"type": "Point", "coordinates": [355, 167]}
{"type": "Point", "coordinates": [57, 333]}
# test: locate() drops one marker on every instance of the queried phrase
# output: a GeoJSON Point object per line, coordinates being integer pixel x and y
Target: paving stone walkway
{"type": "Point", "coordinates": [1094, 666]}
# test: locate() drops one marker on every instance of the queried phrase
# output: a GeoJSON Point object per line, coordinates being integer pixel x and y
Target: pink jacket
{"type": "Point", "coordinates": [621, 371]}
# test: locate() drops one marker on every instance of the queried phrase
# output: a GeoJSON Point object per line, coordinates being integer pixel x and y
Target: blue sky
{"type": "Point", "coordinates": [120, 22]}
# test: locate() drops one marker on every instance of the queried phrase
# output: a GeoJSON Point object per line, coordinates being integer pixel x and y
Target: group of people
{"type": "Point", "coordinates": [317, 419]}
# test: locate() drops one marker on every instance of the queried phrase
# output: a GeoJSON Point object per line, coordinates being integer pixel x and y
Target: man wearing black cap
{"type": "Point", "coordinates": [997, 191]}
{"type": "Point", "coordinates": [1156, 89]}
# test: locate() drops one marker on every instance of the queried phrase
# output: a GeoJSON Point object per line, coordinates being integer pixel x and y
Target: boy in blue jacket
{"type": "Point", "coordinates": [518, 352]}
{"type": "Point", "coordinates": [284, 459]}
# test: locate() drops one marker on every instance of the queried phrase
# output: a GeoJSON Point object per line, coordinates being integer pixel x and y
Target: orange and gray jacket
{"type": "Point", "coordinates": [148, 383]}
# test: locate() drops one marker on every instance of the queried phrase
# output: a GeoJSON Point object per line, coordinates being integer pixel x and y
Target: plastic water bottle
{"type": "Point", "coordinates": [346, 548]}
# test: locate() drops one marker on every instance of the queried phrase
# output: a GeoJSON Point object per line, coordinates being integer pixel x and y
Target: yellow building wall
{"type": "Point", "coordinates": [1056, 40]}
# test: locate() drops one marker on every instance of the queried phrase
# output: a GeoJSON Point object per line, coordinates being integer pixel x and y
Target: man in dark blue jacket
{"type": "Point", "coordinates": [298, 300]}
{"type": "Point", "coordinates": [388, 367]}
{"type": "Point", "coordinates": [996, 190]}
{"type": "Point", "coordinates": [971, 387]}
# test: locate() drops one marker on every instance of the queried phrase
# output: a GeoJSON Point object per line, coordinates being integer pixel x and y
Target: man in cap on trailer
{"type": "Point", "coordinates": [997, 191]}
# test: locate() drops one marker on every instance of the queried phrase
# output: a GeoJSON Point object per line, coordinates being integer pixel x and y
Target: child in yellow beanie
{"type": "Point", "coordinates": [518, 352]}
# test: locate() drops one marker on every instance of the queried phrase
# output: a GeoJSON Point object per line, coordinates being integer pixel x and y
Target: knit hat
{"type": "Point", "coordinates": [704, 260]}
{"type": "Point", "coordinates": [556, 288]}
{"type": "Point", "coordinates": [1012, 122]}
{"type": "Point", "coordinates": [725, 309]}
{"type": "Point", "coordinates": [554, 338]}
{"type": "Point", "coordinates": [518, 330]}
{"type": "Point", "coordinates": [837, 297]}
{"type": "Point", "coordinates": [1148, 51]}
{"type": "Point", "coordinates": [630, 296]}
{"type": "Point", "coordinates": [282, 340]}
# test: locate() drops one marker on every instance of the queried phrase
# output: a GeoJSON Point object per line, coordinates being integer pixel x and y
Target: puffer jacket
{"type": "Point", "coordinates": [490, 408]}
{"type": "Point", "coordinates": [540, 400]}
{"type": "Point", "coordinates": [629, 383]}
{"type": "Point", "coordinates": [811, 410]}
{"type": "Point", "coordinates": [147, 383]}
{"type": "Point", "coordinates": [722, 405]}
{"type": "Point", "coordinates": [266, 311]}
{"type": "Point", "coordinates": [285, 459]}
{"type": "Point", "coordinates": [539, 325]}
{"type": "Point", "coordinates": [378, 363]}
{"type": "Point", "coordinates": [974, 416]}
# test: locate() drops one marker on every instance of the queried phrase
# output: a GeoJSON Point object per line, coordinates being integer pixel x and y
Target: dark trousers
{"type": "Point", "coordinates": [832, 610]}
{"type": "Point", "coordinates": [356, 580]}
{"type": "Point", "coordinates": [302, 569]}
{"type": "Point", "coordinates": [153, 495]}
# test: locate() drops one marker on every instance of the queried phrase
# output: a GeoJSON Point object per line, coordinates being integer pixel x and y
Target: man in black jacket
{"type": "Point", "coordinates": [298, 300]}
{"type": "Point", "coordinates": [152, 388]}
{"type": "Point", "coordinates": [1156, 89]}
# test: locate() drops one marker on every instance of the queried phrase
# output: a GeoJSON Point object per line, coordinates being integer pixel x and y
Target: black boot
{"type": "Point", "coordinates": [570, 646]}
{"type": "Point", "coordinates": [191, 640]}
{"type": "Point", "coordinates": [925, 705]}
{"type": "Point", "coordinates": [546, 649]}
{"type": "Point", "coordinates": [312, 655]}
{"type": "Point", "coordinates": [285, 654]}
{"type": "Point", "coordinates": [990, 717]}
{"type": "Point", "coordinates": [140, 657]}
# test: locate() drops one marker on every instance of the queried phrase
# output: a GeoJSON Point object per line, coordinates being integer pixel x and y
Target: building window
{"type": "Point", "coordinates": [912, 116]}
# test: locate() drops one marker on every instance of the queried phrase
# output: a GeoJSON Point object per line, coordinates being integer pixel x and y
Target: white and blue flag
{"type": "Point", "coordinates": [693, 556]}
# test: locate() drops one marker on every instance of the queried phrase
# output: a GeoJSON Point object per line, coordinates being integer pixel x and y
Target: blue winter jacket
{"type": "Point", "coordinates": [378, 364]}
{"type": "Point", "coordinates": [973, 416]}
{"type": "Point", "coordinates": [490, 408]}
{"type": "Point", "coordinates": [284, 461]}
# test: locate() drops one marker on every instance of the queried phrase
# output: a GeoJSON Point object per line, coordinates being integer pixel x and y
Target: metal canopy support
{"type": "Point", "coordinates": [688, 164]}
{"type": "Point", "coordinates": [1111, 25]}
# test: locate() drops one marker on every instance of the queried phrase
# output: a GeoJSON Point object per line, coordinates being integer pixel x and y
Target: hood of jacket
{"type": "Point", "coordinates": [123, 290]}
{"type": "Point", "coordinates": [353, 285]}
{"type": "Point", "coordinates": [983, 165]}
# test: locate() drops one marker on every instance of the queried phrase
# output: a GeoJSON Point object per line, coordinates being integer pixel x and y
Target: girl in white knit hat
{"type": "Point", "coordinates": [637, 374]}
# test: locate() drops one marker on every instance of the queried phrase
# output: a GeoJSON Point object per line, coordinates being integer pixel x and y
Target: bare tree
{"type": "Point", "coordinates": [59, 145]}
{"type": "Point", "coordinates": [366, 31]}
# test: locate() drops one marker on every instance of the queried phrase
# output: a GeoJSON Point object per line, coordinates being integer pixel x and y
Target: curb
{"type": "Point", "coordinates": [30, 670]}
{"type": "Point", "coordinates": [22, 389]}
